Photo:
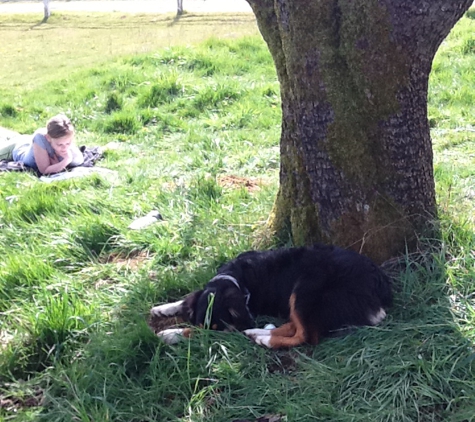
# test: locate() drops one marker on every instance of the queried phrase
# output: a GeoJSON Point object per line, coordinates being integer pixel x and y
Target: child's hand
{"type": "Point", "coordinates": [68, 156]}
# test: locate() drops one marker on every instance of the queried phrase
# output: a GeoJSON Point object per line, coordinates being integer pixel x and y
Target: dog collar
{"type": "Point", "coordinates": [247, 295]}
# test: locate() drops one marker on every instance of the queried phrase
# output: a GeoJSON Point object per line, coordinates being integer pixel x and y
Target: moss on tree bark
{"type": "Point", "coordinates": [356, 154]}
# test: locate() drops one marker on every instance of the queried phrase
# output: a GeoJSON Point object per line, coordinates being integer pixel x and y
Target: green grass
{"type": "Point", "coordinates": [76, 285]}
{"type": "Point", "coordinates": [47, 51]}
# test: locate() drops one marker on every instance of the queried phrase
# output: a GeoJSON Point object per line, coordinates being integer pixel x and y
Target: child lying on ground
{"type": "Point", "coordinates": [49, 150]}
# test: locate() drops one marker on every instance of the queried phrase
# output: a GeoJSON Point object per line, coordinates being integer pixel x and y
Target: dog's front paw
{"type": "Point", "coordinates": [168, 309]}
{"type": "Point", "coordinates": [259, 336]}
{"type": "Point", "coordinates": [172, 335]}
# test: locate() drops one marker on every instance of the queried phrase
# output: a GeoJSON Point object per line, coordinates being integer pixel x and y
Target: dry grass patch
{"type": "Point", "coordinates": [87, 39]}
{"type": "Point", "coordinates": [131, 261]}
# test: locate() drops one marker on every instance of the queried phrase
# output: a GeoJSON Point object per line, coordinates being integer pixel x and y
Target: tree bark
{"type": "Point", "coordinates": [356, 154]}
{"type": "Point", "coordinates": [47, 12]}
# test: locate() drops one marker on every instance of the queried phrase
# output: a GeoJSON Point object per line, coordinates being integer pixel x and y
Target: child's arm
{"type": "Point", "coordinates": [44, 162]}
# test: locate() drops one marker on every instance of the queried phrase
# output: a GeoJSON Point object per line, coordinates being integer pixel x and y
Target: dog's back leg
{"type": "Point", "coordinates": [291, 334]}
{"type": "Point", "coordinates": [286, 330]}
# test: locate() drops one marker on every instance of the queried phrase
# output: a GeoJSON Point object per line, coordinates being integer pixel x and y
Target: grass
{"type": "Point", "coordinates": [193, 131]}
{"type": "Point", "coordinates": [38, 52]}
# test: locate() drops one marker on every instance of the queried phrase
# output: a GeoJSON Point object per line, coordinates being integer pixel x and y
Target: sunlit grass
{"type": "Point", "coordinates": [452, 117]}
{"type": "Point", "coordinates": [33, 52]}
{"type": "Point", "coordinates": [76, 285]}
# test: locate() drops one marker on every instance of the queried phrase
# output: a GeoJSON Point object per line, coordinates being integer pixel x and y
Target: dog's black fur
{"type": "Point", "coordinates": [323, 288]}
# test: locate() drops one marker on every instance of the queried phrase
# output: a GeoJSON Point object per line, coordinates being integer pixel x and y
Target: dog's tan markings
{"type": "Point", "coordinates": [187, 332]}
{"type": "Point", "coordinates": [286, 330]}
{"type": "Point", "coordinates": [277, 339]}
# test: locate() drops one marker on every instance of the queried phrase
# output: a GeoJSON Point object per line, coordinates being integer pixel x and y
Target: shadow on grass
{"type": "Point", "coordinates": [71, 21]}
{"type": "Point", "coordinates": [191, 19]}
{"type": "Point", "coordinates": [42, 22]}
{"type": "Point", "coordinates": [418, 365]}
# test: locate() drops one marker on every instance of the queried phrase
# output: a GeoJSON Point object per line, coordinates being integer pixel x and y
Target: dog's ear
{"type": "Point", "coordinates": [189, 305]}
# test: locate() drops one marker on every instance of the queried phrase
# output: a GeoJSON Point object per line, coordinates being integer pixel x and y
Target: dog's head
{"type": "Point", "coordinates": [221, 305]}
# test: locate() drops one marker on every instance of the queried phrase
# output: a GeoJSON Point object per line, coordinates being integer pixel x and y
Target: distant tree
{"type": "Point", "coordinates": [356, 154]}
{"type": "Point", "coordinates": [47, 11]}
{"type": "Point", "coordinates": [179, 7]}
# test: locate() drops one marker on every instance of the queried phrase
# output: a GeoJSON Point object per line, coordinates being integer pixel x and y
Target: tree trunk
{"type": "Point", "coordinates": [356, 154]}
{"type": "Point", "coordinates": [179, 7]}
{"type": "Point", "coordinates": [47, 12]}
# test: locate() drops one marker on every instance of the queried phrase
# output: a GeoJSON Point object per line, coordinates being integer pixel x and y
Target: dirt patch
{"type": "Point", "coordinates": [237, 182]}
{"type": "Point", "coordinates": [158, 324]}
{"type": "Point", "coordinates": [124, 262]}
{"type": "Point", "coordinates": [283, 363]}
{"type": "Point", "coordinates": [14, 402]}
{"type": "Point", "coordinates": [131, 261]}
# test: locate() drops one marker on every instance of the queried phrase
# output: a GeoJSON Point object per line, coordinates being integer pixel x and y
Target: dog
{"type": "Point", "coordinates": [321, 290]}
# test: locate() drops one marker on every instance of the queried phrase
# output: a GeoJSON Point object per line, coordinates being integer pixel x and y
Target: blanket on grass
{"type": "Point", "coordinates": [91, 156]}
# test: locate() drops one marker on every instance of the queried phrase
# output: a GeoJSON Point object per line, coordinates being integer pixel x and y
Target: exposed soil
{"type": "Point", "coordinates": [284, 363]}
{"type": "Point", "coordinates": [131, 261]}
{"type": "Point", "coordinates": [236, 182]}
{"type": "Point", "coordinates": [13, 402]}
{"type": "Point", "coordinates": [158, 324]}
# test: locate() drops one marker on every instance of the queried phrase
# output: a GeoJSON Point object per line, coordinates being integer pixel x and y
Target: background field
{"type": "Point", "coordinates": [192, 126]}
{"type": "Point", "coordinates": [37, 52]}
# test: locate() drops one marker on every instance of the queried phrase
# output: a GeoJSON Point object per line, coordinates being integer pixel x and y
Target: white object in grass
{"type": "Point", "coordinates": [142, 222]}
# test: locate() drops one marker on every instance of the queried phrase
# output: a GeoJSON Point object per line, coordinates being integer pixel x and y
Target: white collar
{"type": "Point", "coordinates": [247, 295]}
{"type": "Point", "coordinates": [226, 277]}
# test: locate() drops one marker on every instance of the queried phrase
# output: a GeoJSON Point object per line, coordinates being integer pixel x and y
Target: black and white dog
{"type": "Point", "coordinates": [319, 290]}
